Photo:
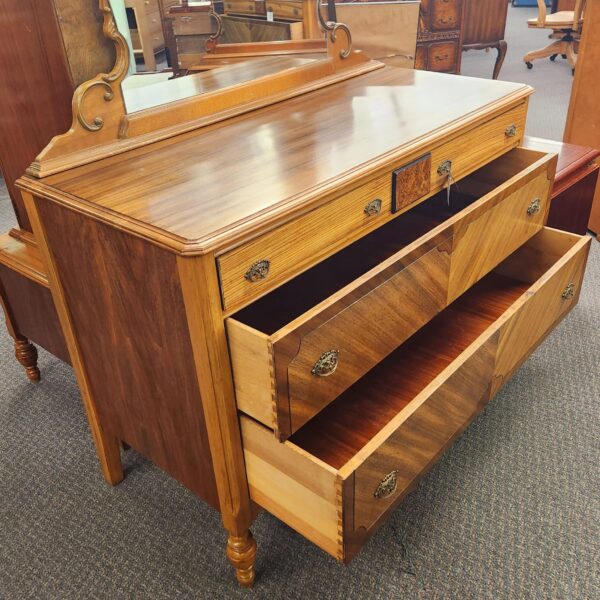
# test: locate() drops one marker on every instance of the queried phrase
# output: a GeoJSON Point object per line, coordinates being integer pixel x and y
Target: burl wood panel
{"type": "Point", "coordinates": [411, 182]}
{"type": "Point", "coordinates": [128, 313]}
{"type": "Point", "coordinates": [33, 313]}
{"type": "Point", "coordinates": [410, 450]}
{"type": "Point", "coordinates": [369, 326]}
{"type": "Point", "coordinates": [88, 51]}
{"type": "Point", "coordinates": [36, 89]}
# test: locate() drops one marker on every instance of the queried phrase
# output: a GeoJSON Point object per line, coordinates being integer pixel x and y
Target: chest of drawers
{"type": "Point", "coordinates": [306, 326]}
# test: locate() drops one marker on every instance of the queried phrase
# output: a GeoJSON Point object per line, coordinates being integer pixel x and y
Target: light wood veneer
{"type": "Point", "coordinates": [327, 481]}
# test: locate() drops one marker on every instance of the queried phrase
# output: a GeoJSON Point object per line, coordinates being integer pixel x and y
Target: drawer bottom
{"type": "Point", "coordinates": [339, 476]}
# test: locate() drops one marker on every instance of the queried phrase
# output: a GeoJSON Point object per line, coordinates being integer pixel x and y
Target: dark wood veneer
{"type": "Point", "coordinates": [125, 301]}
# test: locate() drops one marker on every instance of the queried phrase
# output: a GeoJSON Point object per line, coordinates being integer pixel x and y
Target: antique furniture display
{"type": "Point", "coordinates": [583, 117]}
{"type": "Point", "coordinates": [574, 184]}
{"type": "Point", "coordinates": [439, 41]}
{"type": "Point", "coordinates": [565, 25]}
{"type": "Point", "coordinates": [39, 70]}
{"type": "Point", "coordinates": [484, 26]}
{"type": "Point", "coordinates": [235, 320]}
{"type": "Point", "coordinates": [384, 30]}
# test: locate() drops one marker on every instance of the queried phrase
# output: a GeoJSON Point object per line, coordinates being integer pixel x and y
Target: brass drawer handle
{"type": "Point", "coordinates": [186, 19]}
{"type": "Point", "coordinates": [259, 270]}
{"type": "Point", "coordinates": [373, 208]}
{"type": "Point", "coordinates": [327, 364]}
{"type": "Point", "coordinates": [387, 486]}
{"type": "Point", "coordinates": [534, 207]}
{"type": "Point", "coordinates": [510, 131]}
{"type": "Point", "coordinates": [568, 292]}
{"type": "Point", "coordinates": [445, 168]}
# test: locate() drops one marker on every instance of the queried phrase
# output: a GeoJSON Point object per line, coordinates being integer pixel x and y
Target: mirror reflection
{"type": "Point", "coordinates": [207, 42]}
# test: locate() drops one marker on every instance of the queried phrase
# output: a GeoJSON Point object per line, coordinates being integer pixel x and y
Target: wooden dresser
{"type": "Point", "coordinates": [305, 326]}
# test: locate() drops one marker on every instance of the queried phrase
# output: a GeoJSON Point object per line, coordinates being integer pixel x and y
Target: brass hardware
{"type": "Point", "coordinates": [373, 208]}
{"type": "Point", "coordinates": [568, 292]}
{"type": "Point", "coordinates": [186, 19]}
{"type": "Point", "coordinates": [327, 364]}
{"type": "Point", "coordinates": [534, 207]}
{"type": "Point", "coordinates": [259, 270]}
{"type": "Point", "coordinates": [510, 131]}
{"type": "Point", "coordinates": [387, 486]}
{"type": "Point", "coordinates": [445, 168]}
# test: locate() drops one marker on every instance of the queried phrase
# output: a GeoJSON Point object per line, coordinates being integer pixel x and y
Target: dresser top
{"type": "Point", "coordinates": [216, 186]}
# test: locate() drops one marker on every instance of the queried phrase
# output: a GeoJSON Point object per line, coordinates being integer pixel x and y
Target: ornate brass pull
{"type": "Point", "coordinates": [373, 208]}
{"type": "Point", "coordinates": [510, 131]}
{"type": "Point", "coordinates": [387, 486]}
{"type": "Point", "coordinates": [259, 270]}
{"type": "Point", "coordinates": [534, 207]}
{"type": "Point", "coordinates": [327, 364]}
{"type": "Point", "coordinates": [568, 292]}
{"type": "Point", "coordinates": [445, 168]}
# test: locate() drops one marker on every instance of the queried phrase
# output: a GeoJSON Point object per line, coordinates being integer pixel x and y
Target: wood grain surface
{"type": "Point", "coordinates": [320, 144]}
{"type": "Point", "coordinates": [127, 310]}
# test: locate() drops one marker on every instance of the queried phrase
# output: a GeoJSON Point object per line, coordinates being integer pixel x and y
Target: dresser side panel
{"type": "Point", "coordinates": [129, 319]}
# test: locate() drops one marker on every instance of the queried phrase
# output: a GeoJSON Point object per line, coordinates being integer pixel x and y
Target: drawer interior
{"type": "Point", "coordinates": [273, 311]}
{"type": "Point", "coordinates": [406, 410]}
{"type": "Point", "coordinates": [340, 430]}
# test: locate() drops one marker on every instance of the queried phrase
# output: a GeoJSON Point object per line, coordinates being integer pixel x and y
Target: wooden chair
{"type": "Point", "coordinates": [566, 28]}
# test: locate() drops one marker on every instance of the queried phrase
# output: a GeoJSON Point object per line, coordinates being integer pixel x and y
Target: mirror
{"type": "Point", "coordinates": [182, 48]}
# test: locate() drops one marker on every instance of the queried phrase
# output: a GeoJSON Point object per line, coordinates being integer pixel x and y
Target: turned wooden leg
{"type": "Point", "coordinates": [502, 47]}
{"type": "Point", "coordinates": [27, 355]}
{"type": "Point", "coordinates": [571, 56]}
{"type": "Point", "coordinates": [241, 552]}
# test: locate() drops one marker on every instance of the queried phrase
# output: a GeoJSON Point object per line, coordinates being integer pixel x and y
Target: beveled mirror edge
{"type": "Point", "coordinates": [101, 127]}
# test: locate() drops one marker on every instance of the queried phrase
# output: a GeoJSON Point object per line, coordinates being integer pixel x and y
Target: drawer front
{"type": "Point", "coordinates": [485, 237]}
{"type": "Point", "coordinates": [297, 245]}
{"type": "Point", "coordinates": [442, 57]}
{"type": "Point", "coordinates": [550, 303]}
{"type": "Point", "coordinates": [421, 58]}
{"type": "Point", "coordinates": [371, 324]}
{"type": "Point", "coordinates": [193, 24]}
{"type": "Point", "coordinates": [244, 7]}
{"type": "Point", "coordinates": [473, 149]}
{"type": "Point", "coordinates": [389, 472]}
{"type": "Point", "coordinates": [285, 10]}
{"type": "Point", "coordinates": [445, 14]}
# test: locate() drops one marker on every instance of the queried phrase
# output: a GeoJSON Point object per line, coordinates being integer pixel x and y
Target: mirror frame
{"type": "Point", "coordinates": [101, 127]}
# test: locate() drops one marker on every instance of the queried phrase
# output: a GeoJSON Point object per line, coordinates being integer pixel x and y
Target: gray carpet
{"type": "Point", "coordinates": [510, 512]}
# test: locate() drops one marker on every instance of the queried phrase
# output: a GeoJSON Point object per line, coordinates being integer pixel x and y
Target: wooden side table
{"type": "Point", "coordinates": [574, 184]}
{"type": "Point", "coordinates": [483, 28]}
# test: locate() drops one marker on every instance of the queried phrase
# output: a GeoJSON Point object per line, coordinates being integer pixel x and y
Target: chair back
{"type": "Point", "coordinates": [542, 12]}
{"type": "Point", "coordinates": [578, 14]}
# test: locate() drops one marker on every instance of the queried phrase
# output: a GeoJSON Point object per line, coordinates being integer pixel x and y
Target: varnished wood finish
{"type": "Point", "coordinates": [401, 280]}
{"type": "Point", "coordinates": [418, 400]}
{"type": "Point", "coordinates": [198, 280]}
{"type": "Point", "coordinates": [237, 29]}
{"type": "Point", "coordinates": [32, 51]}
{"type": "Point", "coordinates": [32, 311]}
{"type": "Point", "coordinates": [108, 446]}
{"type": "Point", "coordinates": [483, 28]}
{"type": "Point", "coordinates": [574, 184]}
{"type": "Point", "coordinates": [583, 117]}
{"type": "Point", "coordinates": [26, 354]}
{"type": "Point", "coordinates": [234, 205]}
{"type": "Point", "coordinates": [323, 231]}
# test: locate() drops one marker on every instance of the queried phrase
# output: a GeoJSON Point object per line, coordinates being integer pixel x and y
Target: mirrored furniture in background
{"type": "Point", "coordinates": [271, 286]}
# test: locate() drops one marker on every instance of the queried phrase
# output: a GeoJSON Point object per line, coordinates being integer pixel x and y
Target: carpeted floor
{"type": "Point", "coordinates": [511, 511]}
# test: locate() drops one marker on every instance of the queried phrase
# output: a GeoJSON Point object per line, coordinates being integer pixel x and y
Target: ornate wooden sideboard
{"type": "Point", "coordinates": [439, 41]}
{"type": "Point", "coordinates": [306, 326]}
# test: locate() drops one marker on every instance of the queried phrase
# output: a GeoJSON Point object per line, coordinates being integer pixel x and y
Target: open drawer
{"type": "Point", "coordinates": [296, 349]}
{"type": "Point", "coordinates": [338, 477]}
